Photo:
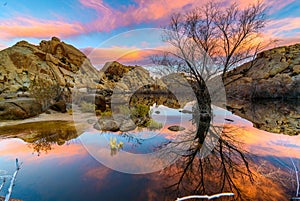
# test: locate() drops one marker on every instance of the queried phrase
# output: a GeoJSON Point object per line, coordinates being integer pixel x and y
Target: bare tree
{"type": "Point", "coordinates": [208, 41]}
{"type": "Point", "coordinates": [228, 35]}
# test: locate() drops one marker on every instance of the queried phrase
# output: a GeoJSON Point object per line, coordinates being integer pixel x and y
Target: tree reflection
{"type": "Point", "coordinates": [214, 165]}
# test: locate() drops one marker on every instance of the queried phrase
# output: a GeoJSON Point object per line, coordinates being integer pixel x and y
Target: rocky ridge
{"type": "Point", "coordinates": [274, 73]}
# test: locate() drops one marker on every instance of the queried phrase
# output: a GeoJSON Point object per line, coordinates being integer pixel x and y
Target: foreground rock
{"type": "Point", "coordinates": [176, 128]}
{"type": "Point", "coordinates": [19, 109]}
{"type": "Point", "coordinates": [274, 73]}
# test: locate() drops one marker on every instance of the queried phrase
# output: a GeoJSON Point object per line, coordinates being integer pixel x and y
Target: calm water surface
{"type": "Point", "coordinates": [70, 172]}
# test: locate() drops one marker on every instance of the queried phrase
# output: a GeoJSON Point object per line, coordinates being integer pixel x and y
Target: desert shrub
{"type": "Point", "coordinates": [87, 107]}
{"type": "Point", "coordinates": [106, 113]}
{"type": "Point", "coordinates": [70, 111]}
{"type": "Point", "coordinates": [153, 125]}
{"type": "Point", "coordinates": [44, 92]}
{"type": "Point", "coordinates": [140, 111]}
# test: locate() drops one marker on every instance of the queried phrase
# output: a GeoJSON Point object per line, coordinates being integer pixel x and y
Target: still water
{"type": "Point", "coordinates": [68, 167]}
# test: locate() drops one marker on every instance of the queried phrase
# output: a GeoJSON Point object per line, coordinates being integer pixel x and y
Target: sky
{"type": "Point", "coordinates": [90, 24]}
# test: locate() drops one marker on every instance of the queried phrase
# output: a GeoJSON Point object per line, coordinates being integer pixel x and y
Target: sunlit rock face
{"type": "Point", "coordinates": [122, 78]}
{"type": "Point", "coordinates": [53, 61]}
{"type": "Point", "coordinates": [274, 73]}
{"type": "Point", "coordinates": [46, 72]}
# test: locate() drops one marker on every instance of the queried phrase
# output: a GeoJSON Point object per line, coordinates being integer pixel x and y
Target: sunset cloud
{"type": "Point", "coordinates": [30, 27]}
{"type": "Point", "coordinates": [155, 11]}
{"type": "Point", "coordinates": [286, 30]}
{"type": "Point", "coordinates": [99, 56]}
{"type": "Point", "coordinates": [145, 12]}
{"type": "Point", "coordinates": [103, 17]}
{"type": "Point", "coordinates": [122, 54]}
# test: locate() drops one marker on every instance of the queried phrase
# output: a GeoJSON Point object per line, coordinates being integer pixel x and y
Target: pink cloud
{"type": "Point", "coordinates": [282, 26]}
{"type": "Point", "coordinates": [31, 27]}
{"type": "Point", "coordinates": [158, 12]}
{"type": "Point", "coordinates": [274, 5]}
{"type": "Point", "coordinates": [122, 54]}
{"type": "Point", "coordinates": [278, 29]}
{"type": "Point", "coordinates": [2, 46]}
{"type": "Point", "coordinates": [145, 11]}
{"type": "Point", "coordinates": [99, 56]}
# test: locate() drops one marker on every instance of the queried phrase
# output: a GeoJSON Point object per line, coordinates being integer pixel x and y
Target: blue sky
{"type": "Point", "coordinates": [89, 23]}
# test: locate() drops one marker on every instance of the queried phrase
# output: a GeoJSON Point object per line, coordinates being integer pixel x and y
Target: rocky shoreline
{"type": "Point", "coordinates": [54, 75]}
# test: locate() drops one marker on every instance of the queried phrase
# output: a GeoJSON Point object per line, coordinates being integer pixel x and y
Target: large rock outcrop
{"type": "Point", "coordinates": [274, 73]}
{"type": "Point", "coordinates": [46, 72]}
{"type": "Point", "coordinates": [53, 61]}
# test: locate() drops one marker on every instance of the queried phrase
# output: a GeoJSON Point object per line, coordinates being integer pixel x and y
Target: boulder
{"type": "Point", "coordinates": [107, 125]}
{"type": "Point", "coordinates": [19, 109]}
{"type": "Point", "coordinates": [26, 69]}
{"type": "Point", "coordinates": [176, 128]}
{"type": "Point", "coordinates": [59, 106]}
{"type": "Point", "coordinates": [127, 125]}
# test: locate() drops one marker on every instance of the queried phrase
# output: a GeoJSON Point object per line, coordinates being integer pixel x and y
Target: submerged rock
{"type": "Point", "coordinates": [176, 128]}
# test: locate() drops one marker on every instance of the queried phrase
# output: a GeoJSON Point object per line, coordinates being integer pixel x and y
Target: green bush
{"type": "Point", "coordinates": [70, 111]}
{"type": "Point", "coordinates": [106, 113]}
{"type": "Point", "coordinates": [87, 107]}
{"type": "Point", "coordinates": [140, 111]}
{"type": "Point", "coordinates": [153, 125]}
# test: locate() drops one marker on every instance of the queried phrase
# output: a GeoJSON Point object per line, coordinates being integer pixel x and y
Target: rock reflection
{"type": "Point", "coordinates": [270, 115]}
{"type": "Point", "coordinates": [41, 136]}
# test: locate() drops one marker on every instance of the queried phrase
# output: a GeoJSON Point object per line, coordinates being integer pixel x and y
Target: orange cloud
{"type": "Point", "coordinates": [145, 11]}
{"type": "Point", "coordinates": [279, 28]}
{"type": "Point", "coordinates": [99, 56]}
{"type": "Point", "coordinates": [31, 27]}
{"type": "Point", "coordinates": [122, 54]}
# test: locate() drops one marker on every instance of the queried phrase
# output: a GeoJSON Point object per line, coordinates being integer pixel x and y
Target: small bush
{"type": "Point", "coordinates": [87, 107]}
{"type": "Point", "coordinates": [104, 114]}
{"type": "Point", "coordinates": [70, 111]}
{"type": "Point", "coordinates": [153, 125]}
{"type": "Point", "coordinates": [140, 111]}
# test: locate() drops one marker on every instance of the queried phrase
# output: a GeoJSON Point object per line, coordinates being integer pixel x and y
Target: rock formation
{"type": "Point", "coordinates": [275, 73]}
{"type": "Point", "coordinates": [51, 64]}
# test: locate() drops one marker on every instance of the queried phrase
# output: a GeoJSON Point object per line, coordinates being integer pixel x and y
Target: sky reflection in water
{"type": "Point", "coordinates": [68, 172]}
